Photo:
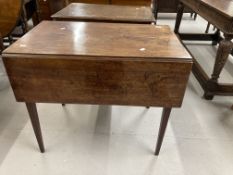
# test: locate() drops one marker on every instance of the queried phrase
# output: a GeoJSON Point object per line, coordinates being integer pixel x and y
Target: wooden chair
{"type": "Point", "coordinates": [10, 14]}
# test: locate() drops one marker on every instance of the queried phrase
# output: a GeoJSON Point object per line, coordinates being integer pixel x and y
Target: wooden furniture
{"type": "Point", "coordinates": [114, 2]}
{"type": "Point", "coordinates": [46, 8]}
{"type": "Point", "coordinates": [98, 63]}
{"type": "Point", "coordinates": [105, 13]}
{"type": "Point", "coordinates": [10, 14]}
{"type": "Point", "coordinates": [31, 12]}
{"type": "Point", "coordinates": [168, 6]}
{"type": "Point", "coordinates": [130, 2]}
{"type": "Point", "coordinates": [220, 14]}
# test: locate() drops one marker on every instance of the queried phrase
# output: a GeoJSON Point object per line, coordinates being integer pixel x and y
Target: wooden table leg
{"type": "Point", "coordinates": [31, 107]}
{"type": "Point", "coordinates": [207, 28]}
{"type": "Point", "coordinates": [216, 38]}
{"type": "Point", "coordinates": [179, 17]}
{"type": "Point", "coordinates": [1, 44]}
{"type": "Point", "coordinates": [224, 50]}
{"type": "Point", "coordinates": [162, 129]}
{"type": "Point", "coordinates": [195, 16]}
{"type": "Point", "coordinates": [155, 9]}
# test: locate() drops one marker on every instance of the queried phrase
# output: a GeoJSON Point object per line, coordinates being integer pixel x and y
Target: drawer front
{"type": "Point", "coordinates": [138, 83]}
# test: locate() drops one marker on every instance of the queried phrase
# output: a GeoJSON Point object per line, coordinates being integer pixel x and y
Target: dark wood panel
{"type": "Point", "coordinates": [98, 81]}
{"type": "Point", "coordinates": [48, 7]}
{"type": "Point", "coordinates": [167, 6]}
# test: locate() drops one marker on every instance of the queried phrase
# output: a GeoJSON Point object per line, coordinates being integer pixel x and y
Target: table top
{"type": "Point", "coordinates": [100, 39]}
{"type": "Point", "coordinates": [225, 7]}
{"type": "Point", "coordinates": [101, 12]}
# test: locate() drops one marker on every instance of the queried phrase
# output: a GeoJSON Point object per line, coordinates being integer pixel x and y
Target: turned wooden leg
{"type": "Point", "coordinates": [162, 129]}
{"type": "Point", "coordinates": [223, 52]}
{"type": "Point", "coordinates": [31, 107]}
{"type": "Point", "coordinates": [179, 17]}
{"type": "Point", "coordinates": [224, 49]}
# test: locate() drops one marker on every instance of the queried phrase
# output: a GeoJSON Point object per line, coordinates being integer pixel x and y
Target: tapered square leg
{"type": "Point", "coordinates": [162, 129]}
{"type": "Point", "coordinates": [31, 107]}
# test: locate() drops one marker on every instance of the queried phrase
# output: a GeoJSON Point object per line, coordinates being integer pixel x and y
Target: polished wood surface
{"type": "Point", "coordinates": [98, 63]}
{"type": "Point", "coordinates": [88, 39]}
{"type": "Point", "coordinates": [46, 8]}
{"type": "Point", "coordinates": [138, 51]}
{"type": "Point", "coordinates": [223, 6]}
{"type": "Point", "coordinates": [220, 14]}
{"type": "Point", "coordinates": [10, 11]}
{"type": "Point", "coordinates": [106, 13]}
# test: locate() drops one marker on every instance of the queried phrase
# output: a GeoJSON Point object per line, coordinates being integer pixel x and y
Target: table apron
{"type": "Point", "coordinates": [138, 83]}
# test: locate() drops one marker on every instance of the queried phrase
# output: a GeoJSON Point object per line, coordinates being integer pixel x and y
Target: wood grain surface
{"type": "Point", "coordinates": [10, 11]}
{"type": "Point", "coordinates": [218, 13]}
{"type": "Point", "coordinates": [99, 63]}
{"type": "Point", "coordinates": [101, 39]}
{"type": "Point", "coordinates": [224, 6]}
{"type": "Point", "coordinates": [107, 13]}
